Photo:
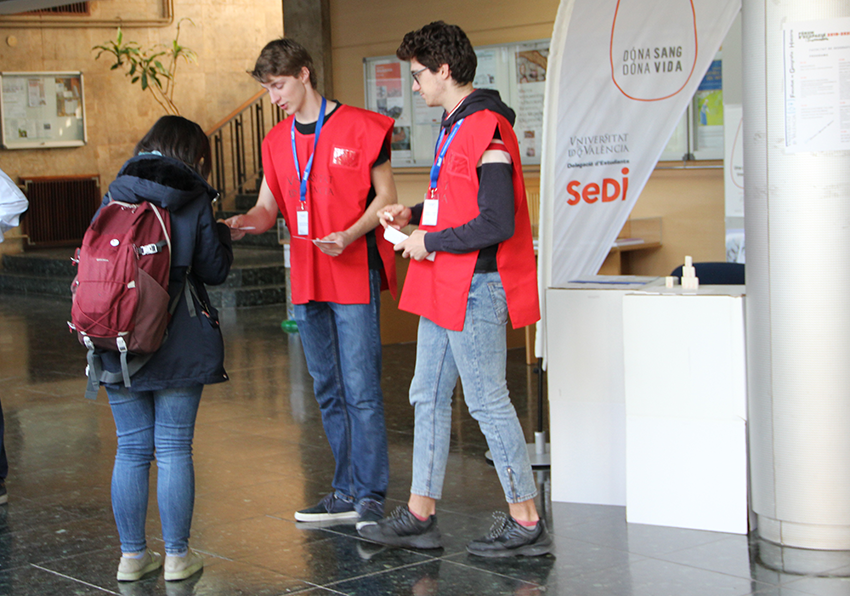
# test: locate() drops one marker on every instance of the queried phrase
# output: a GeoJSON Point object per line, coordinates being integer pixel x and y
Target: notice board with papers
{"type": "Point", "coordinates": [42, 109]}
{"type": "Point", "coordinates": [516, 70]}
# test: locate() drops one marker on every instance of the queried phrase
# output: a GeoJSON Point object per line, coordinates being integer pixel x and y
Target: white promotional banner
{"type": "Point", "coordinates": [621, 73]}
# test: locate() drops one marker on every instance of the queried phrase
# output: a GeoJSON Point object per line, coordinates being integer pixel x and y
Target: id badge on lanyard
{"type": "Point", "coordinates": [302, 214]}
{"type": "Point", "coordinates": [431, 208]}
{"type": "Point", "coordinates": [303, 221]}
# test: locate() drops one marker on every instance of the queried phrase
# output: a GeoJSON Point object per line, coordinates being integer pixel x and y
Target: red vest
{"type": "Point", "coordinates": [439, 289]}
{"type": "Point", "coordinates": [349, 144]}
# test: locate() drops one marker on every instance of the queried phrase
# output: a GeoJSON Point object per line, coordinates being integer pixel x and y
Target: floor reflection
{"type": "Point", "coordinates": [261, 454]}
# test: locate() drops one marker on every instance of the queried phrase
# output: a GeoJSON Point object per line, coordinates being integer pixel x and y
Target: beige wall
{"type": "Point", "coordinates": [691, 206]}
{"type": "Point", "coordinates": [359, 29]}
{"type": "Point", "coordinates": [689, 202]}
{"type": "Point", "coordinates": [226, 35]}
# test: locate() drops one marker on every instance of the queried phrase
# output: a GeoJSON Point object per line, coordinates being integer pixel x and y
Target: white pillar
{"type": "Point", "coordinates": [798, 300]}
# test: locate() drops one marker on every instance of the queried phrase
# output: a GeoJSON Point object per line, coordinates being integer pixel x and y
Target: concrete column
{"type": "Point", "coordinates": [309, 23]}
{"type": "Point", "coordinates": [798, 300]}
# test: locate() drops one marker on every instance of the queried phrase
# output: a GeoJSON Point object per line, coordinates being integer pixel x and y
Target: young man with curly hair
{"type": "Point", "coordinates": [475, 222]}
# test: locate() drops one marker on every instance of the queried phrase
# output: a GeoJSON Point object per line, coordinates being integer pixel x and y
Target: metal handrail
{"type": "Point", "coordinates": [236, 142]}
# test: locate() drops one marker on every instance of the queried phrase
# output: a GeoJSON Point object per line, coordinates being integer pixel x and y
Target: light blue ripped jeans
{"type": "Point", "coordinates": [478, 354]}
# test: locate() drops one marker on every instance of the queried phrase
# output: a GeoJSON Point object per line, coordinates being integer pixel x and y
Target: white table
{"type": "Point", "coordinates": [647, 398]}
{"type": "Point", "coordinates": [587, 408]}
{"type": "Point", "coordinates": [686, 409]}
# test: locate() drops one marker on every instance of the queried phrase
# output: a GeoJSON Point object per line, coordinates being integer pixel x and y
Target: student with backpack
{"type": "Point", "coordinates": [156, 413]}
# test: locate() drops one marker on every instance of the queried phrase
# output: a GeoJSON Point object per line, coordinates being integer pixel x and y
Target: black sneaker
{"type": "Point", "coordinates": [507, 538]}
{"type": "Point", "coordinates": [4, 498]}
{"type": "Point", "coordinates": [371, 512]}
{"type": "Point", "coordinates": [403, 529]}
{"type": "Point", "coordinates": [330, 508]}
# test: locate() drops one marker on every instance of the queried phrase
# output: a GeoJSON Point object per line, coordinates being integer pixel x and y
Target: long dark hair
{"type": "Point", "coordinates": [179, 138]}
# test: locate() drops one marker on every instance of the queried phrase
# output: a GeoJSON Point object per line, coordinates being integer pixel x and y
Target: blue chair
{"type": "Point", "coordinates": [716, 274]}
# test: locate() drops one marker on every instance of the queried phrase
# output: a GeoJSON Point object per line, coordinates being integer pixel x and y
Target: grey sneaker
{"type": "Point", "coordinates": [177, 568]}
{"type": "Point", "coordinates": [403, 529]}
{"type": "Point", "coordinates": [507, 538]}
{"type": "Point", "coordinates": [371, 512]}
{"type": "Point", "coordinates": [328, 509]}
{"type": "Point", "coordinates": [130, 570]}
{"type": "Point", "coordinates": [4, 497]}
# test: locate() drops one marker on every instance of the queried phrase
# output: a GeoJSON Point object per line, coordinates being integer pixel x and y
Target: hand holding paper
{"type": "Point", "coordinates": [394, 216]}
{"type": "Point", "coordinates": [333, 244]}
{"type": "Point", "coordinates": [395, 237]}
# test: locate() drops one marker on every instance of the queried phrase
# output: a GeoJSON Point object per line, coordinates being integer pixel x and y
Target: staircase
{"type": "Point", "coordinates": [256, 278]}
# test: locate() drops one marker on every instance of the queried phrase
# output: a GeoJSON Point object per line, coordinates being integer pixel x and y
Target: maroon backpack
{"type": "Point", "coordinates": [120, 293]}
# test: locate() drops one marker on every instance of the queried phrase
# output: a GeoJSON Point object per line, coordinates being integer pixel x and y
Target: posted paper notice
{"type": "Point", "coordinates": [817, 85]}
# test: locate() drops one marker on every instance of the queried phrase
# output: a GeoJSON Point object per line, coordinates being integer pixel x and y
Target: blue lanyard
{"type": "Point", "coordinates": [439, 157]}
{"type": "Point", "coordinates": [309, 167]}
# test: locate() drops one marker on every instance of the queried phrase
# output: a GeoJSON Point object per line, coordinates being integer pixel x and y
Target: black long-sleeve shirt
{"type": "Point", "coordinates": [495, 221]}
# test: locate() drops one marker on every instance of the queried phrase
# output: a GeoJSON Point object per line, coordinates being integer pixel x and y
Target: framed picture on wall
{"type": "Point", "coordinates": [42, 110]}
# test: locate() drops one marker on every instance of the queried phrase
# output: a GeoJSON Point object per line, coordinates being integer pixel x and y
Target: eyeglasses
{"type": "Point", "coordinates": [415, 74]}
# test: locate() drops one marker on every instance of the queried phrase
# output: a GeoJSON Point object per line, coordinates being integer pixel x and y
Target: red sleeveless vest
{"type": "Point", "coordinates": [349, 144]}
{"type": "Point", "coordinates": [439, 289]}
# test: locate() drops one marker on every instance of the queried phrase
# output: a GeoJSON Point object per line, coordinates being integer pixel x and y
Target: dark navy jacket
{"type": "Point", "coordinates": [193, 351]}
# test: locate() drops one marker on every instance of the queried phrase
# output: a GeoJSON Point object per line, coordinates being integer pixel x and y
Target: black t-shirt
{"type": "Point", "coordinates": [384, 156]}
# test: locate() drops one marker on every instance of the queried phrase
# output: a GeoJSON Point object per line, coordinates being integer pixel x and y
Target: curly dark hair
{"type": "Point", "coordinates": [283, 57]}
{"type": "Point", "coordinates": [181, 139]}
{"type": "Point", "coordinates": [436, 44]}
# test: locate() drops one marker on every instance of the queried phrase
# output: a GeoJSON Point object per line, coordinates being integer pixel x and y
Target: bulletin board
{"type": "Point", "coordinates": [517, 71]}
{"type": "Point", "coordinates": [42, 109]}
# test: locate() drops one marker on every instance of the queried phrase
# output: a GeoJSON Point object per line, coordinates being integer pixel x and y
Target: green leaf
{"type": "Point", "coordinates": [145, 65]}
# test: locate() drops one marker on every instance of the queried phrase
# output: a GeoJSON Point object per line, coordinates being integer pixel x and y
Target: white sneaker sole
{"type": "Point", "coordinates": [322, 517]}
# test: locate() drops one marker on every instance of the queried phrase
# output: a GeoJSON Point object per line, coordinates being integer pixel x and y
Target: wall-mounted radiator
{"type": "Point", "coordinates": [60, 210]}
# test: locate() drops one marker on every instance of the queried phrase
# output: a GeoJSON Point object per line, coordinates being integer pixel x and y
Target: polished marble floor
{"type": "Point", "coordinates": [260, 454]}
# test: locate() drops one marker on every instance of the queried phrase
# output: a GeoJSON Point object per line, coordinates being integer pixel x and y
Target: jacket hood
{"type": "Point", "coordinates": [161, 180]}
{"type": "Point", "coordinates": [481, 99]}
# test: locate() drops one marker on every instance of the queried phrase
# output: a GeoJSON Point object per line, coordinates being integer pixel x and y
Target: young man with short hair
{"type": "Point", "coordinates": [327, 169]}
{"type": "Point", "coordinates": [475, 222]}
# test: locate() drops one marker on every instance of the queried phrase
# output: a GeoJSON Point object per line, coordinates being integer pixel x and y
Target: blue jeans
{"type": "Point", "coordinates": [478, 354]}
{"type": "Point", "coordinates": [148, 421]}
{"type": "Point", "coordinates": [342, 346]}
